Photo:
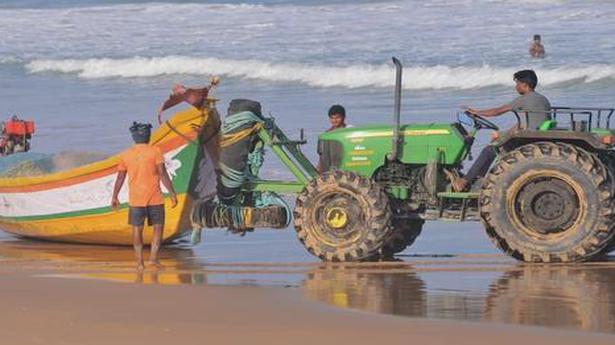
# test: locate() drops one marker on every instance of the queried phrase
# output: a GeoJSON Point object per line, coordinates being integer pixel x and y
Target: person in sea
{"type": "Point", "coordinates": [337, 120]}
{"type": "Point", "coordinates": [144, 166]}
{"type": "Point", "coordinates": [537, 50]}
{"type": "Point", "coordinates": [531, 102]}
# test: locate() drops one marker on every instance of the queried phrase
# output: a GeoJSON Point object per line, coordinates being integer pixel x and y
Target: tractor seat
{"type": "Point", "coordinates": [549, 125]}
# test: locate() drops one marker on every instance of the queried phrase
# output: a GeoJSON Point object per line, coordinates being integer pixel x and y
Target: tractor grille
{"type": "Point", "coordinates": [331, 153]}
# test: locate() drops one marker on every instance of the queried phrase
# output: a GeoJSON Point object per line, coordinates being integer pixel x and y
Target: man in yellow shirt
{"type": "Point", "coordinates": [144, 165]}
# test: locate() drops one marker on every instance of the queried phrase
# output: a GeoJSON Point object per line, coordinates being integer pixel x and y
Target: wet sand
{"type": "Point", "coordinates": [64, 311]}
{"type": "Point", "coordinates": [69, 294]}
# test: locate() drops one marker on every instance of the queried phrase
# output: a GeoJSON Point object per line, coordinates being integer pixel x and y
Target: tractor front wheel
{"type": "Point", "coordinates": [341, 216]}
{"type": "Point", "coordinates": [549, 202]}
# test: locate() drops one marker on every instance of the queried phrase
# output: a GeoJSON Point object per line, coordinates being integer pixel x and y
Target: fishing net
{"type": "Point", "coordinates": [211, 214]}
{"type": "Point", "coordinates": [36, 164]}
{"type": "Point", "coordinates": [241, 158]}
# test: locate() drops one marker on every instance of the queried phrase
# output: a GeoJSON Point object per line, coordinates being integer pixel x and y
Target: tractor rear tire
{"type": "Point", "coordinates": [549, 202]}
{"type": "Point", "coordinates": [404, 233]}
{"type": "Point", "coordinates": [608, 159]}
{"type": "Point", "coordinates": [341, 216]}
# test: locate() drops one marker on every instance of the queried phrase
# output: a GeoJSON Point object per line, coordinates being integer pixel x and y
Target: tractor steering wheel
{"type": "Point", "coordinates": [481, 122]}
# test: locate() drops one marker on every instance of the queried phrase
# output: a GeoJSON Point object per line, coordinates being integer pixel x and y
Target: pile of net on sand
{"type": "Point", "coordinates": [36, 164]}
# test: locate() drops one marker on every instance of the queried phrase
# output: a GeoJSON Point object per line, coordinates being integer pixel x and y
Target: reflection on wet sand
{"type": "Point", "coordinates": [369, 288]}
{"type": "Point", "coordinates": [470, 288]}
{"type": "Point", "coordinates": [578, 297]}
{"type": "Point", "coordinates": [102, 262]}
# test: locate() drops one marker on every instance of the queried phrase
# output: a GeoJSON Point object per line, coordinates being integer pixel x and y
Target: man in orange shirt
{"type": "Point", "coordinates": [144, 165]}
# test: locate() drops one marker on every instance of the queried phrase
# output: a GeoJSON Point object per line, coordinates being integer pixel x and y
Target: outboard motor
{"type": "Point", "coordinates": [15, 136]}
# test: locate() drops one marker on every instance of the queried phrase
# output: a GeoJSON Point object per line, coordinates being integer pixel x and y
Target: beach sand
{"type": "Point", "coordinates": [44, 310]}
{"type": "Point", "coordinates": [62, 294]}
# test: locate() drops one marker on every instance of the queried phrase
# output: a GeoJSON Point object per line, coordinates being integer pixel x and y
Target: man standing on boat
{"type": "Point", "coordinates": [144, 165]}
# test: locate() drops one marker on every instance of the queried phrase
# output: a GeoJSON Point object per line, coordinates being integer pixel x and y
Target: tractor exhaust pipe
{"type": "Point", "coordinates": [394, 155]}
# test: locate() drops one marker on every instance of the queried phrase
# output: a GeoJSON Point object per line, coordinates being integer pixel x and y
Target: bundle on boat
{"type": "Point", "coordinates": [241, 158]}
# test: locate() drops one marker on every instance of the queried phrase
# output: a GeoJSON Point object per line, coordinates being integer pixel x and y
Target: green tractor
{"type": "Point", "coordinates": [549, 196]}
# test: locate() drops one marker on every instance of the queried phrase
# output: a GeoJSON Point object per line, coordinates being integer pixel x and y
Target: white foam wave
{"type": "Point", "coordinates": [6, 60]}
{"type": "Point", "coordinates": [353, 76]}
{"type": "Point", "coordinates": [259, 26]}
{"type": "Point", "coordinates": [537, 2]}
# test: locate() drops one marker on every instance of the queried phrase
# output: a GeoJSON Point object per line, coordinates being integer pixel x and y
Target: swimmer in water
{"type": "Point", "coordinates": [537, 50]}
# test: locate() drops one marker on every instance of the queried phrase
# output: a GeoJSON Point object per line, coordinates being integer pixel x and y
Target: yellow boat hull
{"type": "Point", "coordinates": [74, 205]}
{"type": "Point", "coordinates": [108, 228]}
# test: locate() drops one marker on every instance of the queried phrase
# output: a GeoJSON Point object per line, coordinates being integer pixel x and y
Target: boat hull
{"type": "Point", "coordinates": [109, 228]}
{"type": "Point", "coordinates": [74, 206]}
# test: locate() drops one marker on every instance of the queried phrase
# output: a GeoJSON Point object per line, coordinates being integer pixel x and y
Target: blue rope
{"type": "Point", "coordinates": [232, 178]}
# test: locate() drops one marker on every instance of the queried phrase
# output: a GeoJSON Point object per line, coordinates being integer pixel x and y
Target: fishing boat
{"type": "Point", "coordinates": [74, 205]}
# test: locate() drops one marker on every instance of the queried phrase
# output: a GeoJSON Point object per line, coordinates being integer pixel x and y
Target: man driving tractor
{"type": "Point", "coordinates": [538, 111]}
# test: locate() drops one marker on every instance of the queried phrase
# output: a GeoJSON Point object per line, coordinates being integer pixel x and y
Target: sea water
{"type": "Point", "coordinates": [84, 70]}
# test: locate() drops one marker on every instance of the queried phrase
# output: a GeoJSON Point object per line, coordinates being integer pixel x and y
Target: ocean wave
{"type": "Point", "coordinates": [8, 60]}
{"type": "Point", "coordinates": [352, 76]}
{"type": "Point", "coordinates": [537, 2]}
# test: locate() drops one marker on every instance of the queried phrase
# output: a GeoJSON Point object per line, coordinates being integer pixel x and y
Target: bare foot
{"type": "Point", "coordinates": [140, 267]}
{"type": "Point", "coordinates": [458, 183]}
{"type": "Point", "coordinates": [156, 264]}
{"type": "Point", "coordinates": [139, 277]}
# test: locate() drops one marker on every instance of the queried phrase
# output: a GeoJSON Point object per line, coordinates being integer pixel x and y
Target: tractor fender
{"type": "Point", "coordinates": [510, 140]}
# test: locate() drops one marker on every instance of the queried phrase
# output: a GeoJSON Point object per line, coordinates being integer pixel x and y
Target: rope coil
{"type": "Point", "coordinates": [241, 211]}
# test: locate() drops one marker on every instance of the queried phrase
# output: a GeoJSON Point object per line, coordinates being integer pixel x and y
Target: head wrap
{"type": "Point", "coordinates": [141, 132]}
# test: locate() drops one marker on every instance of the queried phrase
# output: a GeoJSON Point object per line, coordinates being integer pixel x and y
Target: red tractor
{"type": "Point", "coordinates": [16, 135]}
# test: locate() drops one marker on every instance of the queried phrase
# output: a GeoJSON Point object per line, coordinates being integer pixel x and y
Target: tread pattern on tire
{"type": "Point", "coordinates": [378, 228]}
{"type": "Point", "coordinates": [591, 246]}
{"type": "Point", "coordinates": [608, 159]}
